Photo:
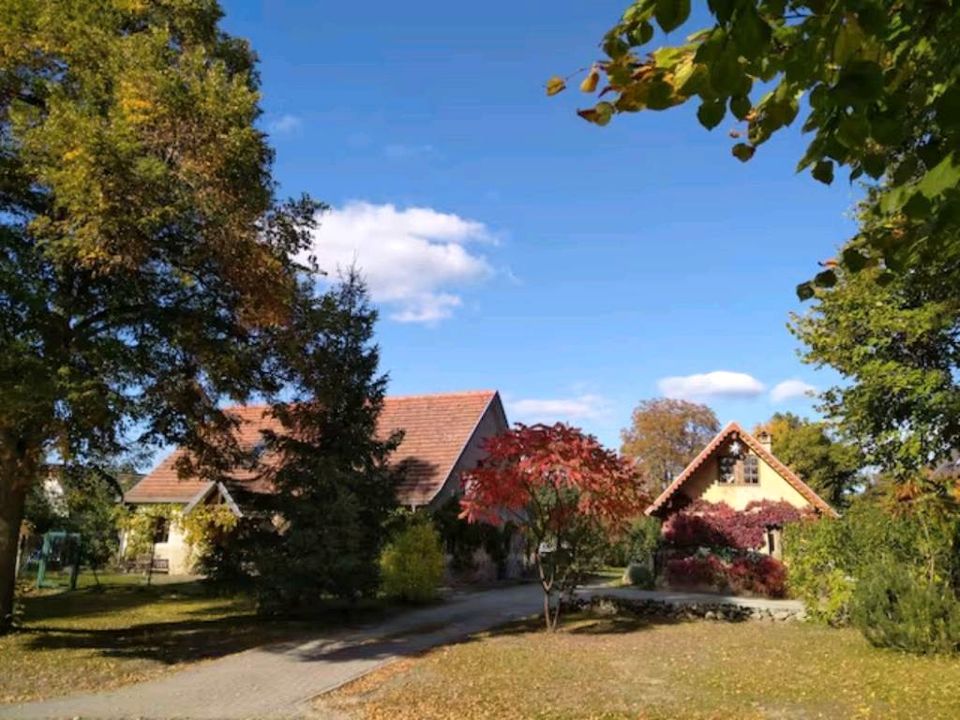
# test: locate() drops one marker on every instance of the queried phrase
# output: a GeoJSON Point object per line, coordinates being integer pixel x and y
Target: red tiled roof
{"type": "Point", "coordinates": [436, 429]}
{"type": "Point", "coordinates": [734, 429]}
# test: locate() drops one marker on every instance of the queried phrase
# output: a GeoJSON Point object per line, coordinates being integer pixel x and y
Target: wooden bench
{"type": "Point", "coordinates": [161, 566]}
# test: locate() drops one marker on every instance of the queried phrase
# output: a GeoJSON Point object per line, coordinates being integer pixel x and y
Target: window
{"type": "Point", "coordinates": [738, 467]}
{"type": "Point", "coordinates": [728, 469]}
{"type": "Point", "coordinates": [161, 530]}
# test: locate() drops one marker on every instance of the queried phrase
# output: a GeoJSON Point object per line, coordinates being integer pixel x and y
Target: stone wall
{"type": "Point", "coordinates": [706, 610]}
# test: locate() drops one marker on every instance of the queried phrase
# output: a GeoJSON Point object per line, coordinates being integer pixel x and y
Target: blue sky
{"type": "Point", "coordinates": [511, 245]}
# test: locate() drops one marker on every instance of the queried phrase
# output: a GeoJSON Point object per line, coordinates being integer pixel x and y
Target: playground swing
{"type": "Point", "coordinates": [59, 555]}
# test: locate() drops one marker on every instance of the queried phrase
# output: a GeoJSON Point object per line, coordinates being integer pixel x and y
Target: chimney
{"type": "Point", "coordinates": [766, 440]}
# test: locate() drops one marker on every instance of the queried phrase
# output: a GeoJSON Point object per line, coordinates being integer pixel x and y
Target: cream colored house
{"type": "Point", "coordinates": [443, 437]}
{"type": "Point", "coordinates": [737, 468]}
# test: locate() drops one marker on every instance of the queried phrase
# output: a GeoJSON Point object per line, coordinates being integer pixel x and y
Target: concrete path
{"type": "Point", "coordinates": [278, 681]}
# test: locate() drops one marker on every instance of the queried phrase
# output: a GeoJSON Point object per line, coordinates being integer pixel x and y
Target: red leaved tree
{"type": "Point", "coordinates": [562, 489]}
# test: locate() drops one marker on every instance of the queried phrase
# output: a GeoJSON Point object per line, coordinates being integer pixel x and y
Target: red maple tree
{"type": "Point", "coordinates": [562, 489]}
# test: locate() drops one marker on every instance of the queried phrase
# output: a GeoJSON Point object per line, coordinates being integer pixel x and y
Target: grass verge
{"type": "Point", "coordinates": [97, 638]}
{"type": "Point", "coordinates": [627, 668]}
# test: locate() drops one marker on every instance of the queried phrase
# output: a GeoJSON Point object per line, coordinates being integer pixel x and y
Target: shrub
{"type": "Point", "coordinates": [696, 571]}
{"type": "Point", "coordinates": [827, 558]}
{"type": "Point", "coordinates": [750, 573]}
{"type": "Point", "coordinates": [894, 608]}
{"type": "Point", "coordinates": [758, 575]}
{"type": "Point", "coordinates": [640, 576]}
{"type": "Point", "coordinates": [411, 565]}
{"type": "Point", "coordinates": [821, 557]}
{"type": "Point", "coordinates": [637, 545]}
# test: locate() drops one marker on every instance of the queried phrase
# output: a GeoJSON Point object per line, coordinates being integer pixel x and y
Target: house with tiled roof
{"type": "Point", "coordinates": [738, 468]}
{"type": "Point", "coordinates": [443, 436]}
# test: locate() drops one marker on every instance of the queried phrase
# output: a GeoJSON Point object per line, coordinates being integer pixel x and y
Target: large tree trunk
{"type": "Point", "coordinates": [13, 496]}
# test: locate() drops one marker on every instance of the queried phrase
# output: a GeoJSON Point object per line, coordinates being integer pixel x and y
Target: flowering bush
{"type": "Point", "coordinates": [715, 525]}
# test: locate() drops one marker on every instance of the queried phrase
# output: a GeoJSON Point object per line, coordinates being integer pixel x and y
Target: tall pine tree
{"type": "Point", "coordinates": [334, 489]}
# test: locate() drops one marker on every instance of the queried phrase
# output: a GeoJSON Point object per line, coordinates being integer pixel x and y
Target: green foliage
{"type": "Point", "coordinates": [334, 489]}
{"type": "Point", "coordinates": [461, 539]}
{"type": "Point", "coordinates": [140, 526]}
{"type": "Point", "coordinates": [637, 545]}
{"type": "Point", "coordinates": [821, 556]}
{"type": "Point", "coordinates": [644, 538]}
{"type": "Point", "coordinates": [145, 262]}
{"type": "Point", "coordinates": [84, 500]}
{"type": "Point", "coordinates": [206, 526]}
{"type": "Point", "coordinates": [894, 339]}
{"type": "Point", "coordinates": [640, 575]}
{"type": "Point", "coordinates": [831, 467]}
{"type": "Point", "coordinates": [412, 563]}
{"type": "Point", "coordinates": [876, 82]}
{"type": "Point", "coordinates": [829, 559]}
{"type": "Point", "coordinates": [895, 607]}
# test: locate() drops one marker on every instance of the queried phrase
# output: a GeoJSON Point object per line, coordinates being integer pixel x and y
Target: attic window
{"type": "Point", "coordinates": [738, 466]}
{"type": "Point", "coordinates": [728, 469]}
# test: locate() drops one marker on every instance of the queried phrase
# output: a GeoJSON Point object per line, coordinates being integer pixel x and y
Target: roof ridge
{"type": "Point", "coordinates": [785, 472]}
{"type": "Point", "coordinates": [452, 393]}
{"type": "Point", "coordinates": [412, 396]}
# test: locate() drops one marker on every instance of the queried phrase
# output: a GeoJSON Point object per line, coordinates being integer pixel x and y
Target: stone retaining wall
{"type": "Point", "coordinates": [608, 605]}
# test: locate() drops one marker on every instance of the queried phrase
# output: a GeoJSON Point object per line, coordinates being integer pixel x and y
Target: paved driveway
{"type": "Point", "coordinates": [279, 680]}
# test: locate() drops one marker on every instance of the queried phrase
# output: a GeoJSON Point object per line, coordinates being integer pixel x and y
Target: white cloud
{"type": "Point", "coordinates": [791, 389]}
{"type": "Point", "coordinates": [719, 383]}
{"type": "Point", "coordinates": [413, 259]}
{"type": "Point", "coordinates": [549, 410]}
{"type": "Point", "coordinates": [284, 125]}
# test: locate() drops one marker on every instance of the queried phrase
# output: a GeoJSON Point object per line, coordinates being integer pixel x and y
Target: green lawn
{"type": "Point", "coordinates": [623, 668]}
{"type": "Point", "coordinates": [124, 632]}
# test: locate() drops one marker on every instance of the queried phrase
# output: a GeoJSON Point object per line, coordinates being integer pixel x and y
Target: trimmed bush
{"type": "Point", "coordinates": [411, 565]}
{"type": "Point", "coordinates": [639, 576]}
{"type": "Point", "coordinates": [894, 608]}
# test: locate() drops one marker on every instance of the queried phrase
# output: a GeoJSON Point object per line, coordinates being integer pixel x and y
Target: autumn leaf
{"type": "Point", "coordinates": [589, 83]}
{"type": "Point", "coordinates": [555, 85]}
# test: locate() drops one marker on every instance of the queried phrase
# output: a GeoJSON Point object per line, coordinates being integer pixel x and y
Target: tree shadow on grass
{"type": "Point", "coordinates": [172, 642]}
{"type": "Point", "coordinates": [199, 637]}
{"type": "Point", "coordinates": [110, 599]}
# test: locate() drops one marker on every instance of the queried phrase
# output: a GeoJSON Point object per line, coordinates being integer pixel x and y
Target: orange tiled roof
{"type": "Point", "coordinates": [734, 429]}
{"type": "Point", "coordinates": [436, 429]}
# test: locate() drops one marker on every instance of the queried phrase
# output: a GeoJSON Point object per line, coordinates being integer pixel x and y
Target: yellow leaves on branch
{"type": "Point", "coordinates": [136, 107]}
